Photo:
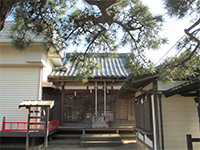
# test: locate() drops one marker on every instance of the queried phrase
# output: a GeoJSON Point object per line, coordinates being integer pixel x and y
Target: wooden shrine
{"type": "Point", "coordinates": [38, 118]}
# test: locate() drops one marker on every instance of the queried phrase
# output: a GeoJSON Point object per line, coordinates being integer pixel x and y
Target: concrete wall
{"type": "Point", "coordinates": [47, 69]}
{"type": "Point", "coordinates": [179, 118]}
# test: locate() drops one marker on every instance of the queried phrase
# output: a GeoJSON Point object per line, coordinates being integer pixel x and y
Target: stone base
{"type": "Point", "coordinates": [100, 122]}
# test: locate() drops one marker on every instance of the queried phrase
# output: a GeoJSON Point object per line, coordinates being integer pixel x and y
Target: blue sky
{"type": "Point", "coordinates": [173, 30]}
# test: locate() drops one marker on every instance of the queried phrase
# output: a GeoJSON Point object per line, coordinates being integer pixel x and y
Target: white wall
{"type": "Point", "coordinates": [32, 57]}
{"type": "Point", "coordinates": [47, 69]}
{"type": "Point", "coordinates": [180, 117]}
{"type": "Point", "coordinates": [10, 56]}
{"type": "Point", "coordinates": [21, 76]}
{"type": "Point", "coordinates": [17, 84]}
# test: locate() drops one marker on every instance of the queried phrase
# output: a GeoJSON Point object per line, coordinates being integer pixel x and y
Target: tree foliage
{"type": "Point", "coordinates": [182, 8]}
{"type": "Point", "coordinates": [95, 26]}
{"type": "Point", "coordinates": [92, 26]}
{"type": "Point", "coordinates": [186, 62]}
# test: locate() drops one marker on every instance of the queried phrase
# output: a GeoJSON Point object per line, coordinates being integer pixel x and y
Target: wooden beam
{"type": "Point", "coordinates": [96, 88]}
{"type": "Point", "coordinates": [104, 98]}
{"type": "Point", "coordinates": [27, 132]}
{"type": "Point", "coordinates": [107, 80]}
{"type": "Point", "coordinates": [46, 130]}
{"type": "Point", "coordinates": [62, 104]}
{"type": "Point", "coordinates": [188, 94]}
{"type": "Point", "coordinates": [189, 142]}
{"type": "Point", "coordinates": [99, 80]}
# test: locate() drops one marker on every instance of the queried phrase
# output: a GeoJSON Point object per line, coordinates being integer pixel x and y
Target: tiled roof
{"type": "Point", "coordinates": [110, 68]}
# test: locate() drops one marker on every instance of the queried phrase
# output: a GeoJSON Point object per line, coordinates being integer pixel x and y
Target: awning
{"type": "Point", "coordinates": [133, 84]}
{"type": "Point", "coordinates": [188, 89]}
{"type": "Point", "coordinates": [36, 103]}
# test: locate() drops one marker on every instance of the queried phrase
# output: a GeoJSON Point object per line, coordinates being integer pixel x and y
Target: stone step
{"type": "Point", "coordinates": [95, 140]}
{"type": "Point", "coordinates": [128, 136]}
{"type": "Point", "coordinates": [100, 143]}
{"type": "Point", "coordinates": [64, 142]}
{"type": "Point", "coordinates": [66, 136]}
{"type": "Point", "coordinates": [19, 147]}
{"type": "Point", "coordinates": [6, 146]}
{"type": "Point", "coordinates": [100, 137]}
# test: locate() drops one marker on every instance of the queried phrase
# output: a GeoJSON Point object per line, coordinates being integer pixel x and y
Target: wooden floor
{"type": "Point", "coordinates": [88, 124]}
{"type": "Point", "coordinates": [85, 130]}
{"type": "Point", "coordinates": [85, 127]}
{"type": "Point", "coordinates": [71, 131]}
{"type": "Point", "coordinates": [23, 134]}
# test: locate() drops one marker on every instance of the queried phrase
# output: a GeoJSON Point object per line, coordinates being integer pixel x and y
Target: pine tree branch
{"type": "Point", "coordinates": [190, 56]}
{"type": "Point", "coordinates": [92, 18]}
{"type": "Point", "coordinates": [103, 3]}
{"type": "Point", "coordinates": [187, 31]}
{"type": "Point", "coordinates": [128, 31]}
{"type": "Point", "coordinates": [43, 2]}
{"type": "Point", "coordinates": [95, 37]}
{"type": "Point", "coordinates": [5, 7]}
{"type": "Point", "coordinates": [191, 35]}
{"type": "Point", "coordinates": [181, 63]}
{"type": "Point", "coordinates": [66, 38]}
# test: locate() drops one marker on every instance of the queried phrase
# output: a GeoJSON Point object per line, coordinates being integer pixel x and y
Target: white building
{"type": "Point", "coordinates": [165, 113]}
{"type": "Point", "coordinates": [22, 75]}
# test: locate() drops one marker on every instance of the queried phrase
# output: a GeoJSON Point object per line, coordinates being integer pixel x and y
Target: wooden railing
{"type": "Point", "coordinates": [22, 126]}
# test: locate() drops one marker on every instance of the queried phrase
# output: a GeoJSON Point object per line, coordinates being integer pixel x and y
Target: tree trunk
{"type": "Point", "coordinates": [5, 8]}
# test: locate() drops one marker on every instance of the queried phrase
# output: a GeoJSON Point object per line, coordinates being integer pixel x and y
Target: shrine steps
{"type": "Point", "coordinates": [65, 139]}
{"type": "Point", "coordinates": [103, 140]}
{"type": "Point", "coordinates": [92, 137]}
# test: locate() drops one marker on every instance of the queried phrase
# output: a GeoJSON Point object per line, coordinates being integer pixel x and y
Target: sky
{"type": "Point", "coordinates": [173, 30]}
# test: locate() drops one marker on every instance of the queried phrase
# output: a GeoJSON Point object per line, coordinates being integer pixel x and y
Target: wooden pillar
{"type": "Point", "coordinates": [197, 100]}
{"type": "Point", "coordinates": [96, 99]}
{"type": "Point", "coordinates": [161, 121]}
{"type": "Point", "coordinates": [46, 130]}
{"type": "Point", "coordinates": [189, 142]}
{"type": "Point", "coordinates": [156, 114]}
{"type": "Point", "coordinates": [154, 123]}
{"type": "Point", "coordinates": [28, 127]}
{"type": "Point", "coordinates": [62, 103]}
{"type": "Point", "coordinates": [104, 98]}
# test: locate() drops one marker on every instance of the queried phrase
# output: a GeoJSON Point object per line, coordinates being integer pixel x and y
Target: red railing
{"type": "Point", "coordinates": [14, 126]}
{"type": "Point", "coordinates": [22, 126]}
{"type": "Point", "coordinates": [53, 124]}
